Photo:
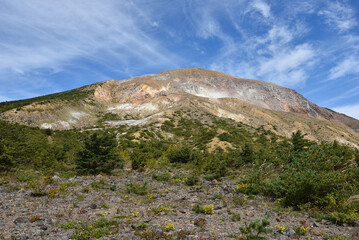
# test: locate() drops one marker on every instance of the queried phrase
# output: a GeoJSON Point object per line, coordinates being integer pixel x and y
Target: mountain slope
{"type": "Point", "coordinates": [149, 98]}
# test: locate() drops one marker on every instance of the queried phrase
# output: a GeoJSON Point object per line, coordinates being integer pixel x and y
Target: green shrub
{"type": "Point", "coordinates": [205, 209]}
{"type": "Point", "coordinates": [157, 210]}
{"type": "Point", "coordinates": [164, 177]}
{"type": "Point", "coordinates": [197, 209]}
{"type": "Point", "coordinates": [255, 229]}
{"type": "Point", "coordinates": [140, 226]}
{"type": "Point", "coordinates": [37, 186]}
{"type": "Point", "coordinates": [98, 155]}
{"type": "Point", "coordinates": [98, 229]}
{"type": "Point", "coordinates": [139, 160]}
{"type": "Point", "coordinates": [191, 180]}
{"type": "Point", "coordinates": [101, 184]}
{"type": "Point", "coordinates": [139, 189]}
{"type": "Point", "coordinates": [336, 237]}
{"type": "Point", "coordinates": [70, 225]}
{"type": "Point", "coordinates": [169, 227]}
{"type": "Point", "coordinates": [310, 178]}
{"type": "Point", "coordinates": [236, 217]}
{"type": "Point", "coordinates": [208, 209]}
{"type": "Point", "coordinates": [340, 218]}
{"type": "Point", "coordinates": [6, 155]}
{"type": "Point", "coordinates": [113, 187]}
{"type": "Point", "coordinates": [300, 231]}
{"type": "Point", "coordinates": [217, 196]}
{"type": "Point", "coordinates": [180, 154]}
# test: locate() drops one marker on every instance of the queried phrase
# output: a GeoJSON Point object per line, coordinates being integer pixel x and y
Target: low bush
{"type": "Point", "coordinates": [139, 189]}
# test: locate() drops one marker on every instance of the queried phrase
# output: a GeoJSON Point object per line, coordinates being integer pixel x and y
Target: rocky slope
{"type": "Point", "coordinates": [148, 98]}
{"type": "Point", "coordinates": [145, 215]}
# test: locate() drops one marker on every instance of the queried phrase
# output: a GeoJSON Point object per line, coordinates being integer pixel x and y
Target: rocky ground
{"type": "Point", "coordinates": [162, 209]}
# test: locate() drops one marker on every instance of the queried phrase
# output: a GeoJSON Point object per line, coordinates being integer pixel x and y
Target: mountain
{"type": "Point", "coordinates": [150, 98]}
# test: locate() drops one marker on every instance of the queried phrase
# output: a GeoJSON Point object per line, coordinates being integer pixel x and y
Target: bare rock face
{"type": "Point", "coordinates": [147, 98]}
{"type": "Point", "coordinates": [215, 85]}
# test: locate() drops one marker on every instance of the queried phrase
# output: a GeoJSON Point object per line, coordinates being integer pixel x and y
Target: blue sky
{"type": "Point", "coordinates": [311, 46]}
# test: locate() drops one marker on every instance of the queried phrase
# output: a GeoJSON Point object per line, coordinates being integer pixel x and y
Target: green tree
{"type": "Point", "coordinates": [6, 156]}
{"type": "Point", "coordinates": [139, 160]}
{"type": "Point", "coordinates": [98, 155]}
{"type": "Point", "coordinates": [299, 142]}
{"type": "Point", "coordinates": [248, 154]}
{"type": "Point", "coordinates": [180, 155]}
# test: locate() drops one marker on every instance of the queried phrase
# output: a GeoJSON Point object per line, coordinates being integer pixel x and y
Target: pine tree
{"type": "Point", "coordinates": [98, 155]}
{"type": "Point", "coordinates": [299, 142]}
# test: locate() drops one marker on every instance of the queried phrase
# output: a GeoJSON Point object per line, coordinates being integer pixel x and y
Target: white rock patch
{"type": "Point", "coordinates": [226, 114]}
{"type": "Point", "coordinates": [127, 106]}
{"type": "Point", "coordinates": [146, 106]}
{"type": "Point", "coordinates": [46, 126]}
{"type": "Point", "coordinates": [78, 115]}
{"type": "Point", "coordinates": [121, 107]}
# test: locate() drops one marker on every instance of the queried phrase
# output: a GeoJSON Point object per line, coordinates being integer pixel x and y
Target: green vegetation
{"type": "Point", "coordinates": [98, 155]}
{"type": "Point", "coordinates": [140, 226]}
{"type": "Point", "coordinates": [169, 227]}
{"type": "Point", "coordinates": [191, 180]}
{"type": "Point", "coordinates": [98, 229]}
{"type": "Point", "coordinates": [255, 229]}
{"type": "Point", "coordinates": [300, 231]}
{"type": "Point", "coordinates": [72, 95]}
{"type": "Point", "coordinates": [157, 210]}
{"type": "Point", "coordinates": [139, 189]}
{"type": "Point", "coordinates": [205, 209]}
{"type": "Point", "coordinates": [294, 172]}
{"type": "Point", "coordinates": [236, 217]}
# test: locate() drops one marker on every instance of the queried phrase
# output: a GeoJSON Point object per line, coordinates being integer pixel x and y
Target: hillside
{"type": "Point", "coordinates": [193, 175]}
{"type": "Point", "coordinates": [145, 99]}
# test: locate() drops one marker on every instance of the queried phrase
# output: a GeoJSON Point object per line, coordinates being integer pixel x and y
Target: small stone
{"type": "Point", "coordinates": [20, 220]}
{"type": "Point", "coordinates": [38, 232]}
{"type": "Point", "coordinates": [289, 232]}
{"type": "Point", "coordinates": [326, 222]}
{"type": "Point", "coordinates": [56, 178]}
{"type": "Point", "coordinates": [271, 213]}
{"type": "Point", "coordinates": [316, 224]}
{"type": "Point", "coordinates": [250, 208]}
{"type": "Point", "coordinates": [43, 227]}
{"type": "Point", "coordinates": [93, 206]}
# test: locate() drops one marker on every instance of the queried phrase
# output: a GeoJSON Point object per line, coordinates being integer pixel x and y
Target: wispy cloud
{"type": "Point", "coordinates": [350, 110]}
{"type": "Point", "coordinates": [339, 15]}
{"type": "Point", "coordinates": [346, 67]}
{"type": "Point", "coordinates": [48, 36]}
{"type": "Point", "coordinates": [52, 46]}
{"type": "Point", "coordinates": [352, 92]}
{"type": "Point", "coordinates": [262, 7]}
{"type": "Point", "coordinates": [271, 53]}
{"type": "Point", "coordinates": [288, 66]}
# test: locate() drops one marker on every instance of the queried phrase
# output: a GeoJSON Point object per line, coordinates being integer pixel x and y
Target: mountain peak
{"type": "Point", "coordinates": [144, 99]}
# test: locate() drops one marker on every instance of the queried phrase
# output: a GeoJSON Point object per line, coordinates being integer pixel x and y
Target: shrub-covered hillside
{"type": "Point", "coordinates": [294, 172]}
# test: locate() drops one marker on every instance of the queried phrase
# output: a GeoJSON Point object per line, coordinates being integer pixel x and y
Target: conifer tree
{"type": "Point", "coordinates": [98, 155]}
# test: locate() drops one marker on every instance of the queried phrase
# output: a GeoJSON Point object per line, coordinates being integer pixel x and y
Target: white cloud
{"type": "Point", "coordinates": [339, 16]}
{"type": "Point", "coordinates": [48, 35]}
{"type": "Point", "coordinates": [288, 60]}
{"type": "Point", "coordinates": [346, 67]}
{"type": "Point", "coordinates": [272, 57]}
{"type": "Point", "coordinates": [3, 99]}
{"type": "Point", "coordinates": [262, 7]}
{"type": "Point", "coordinates": [350, 110]}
